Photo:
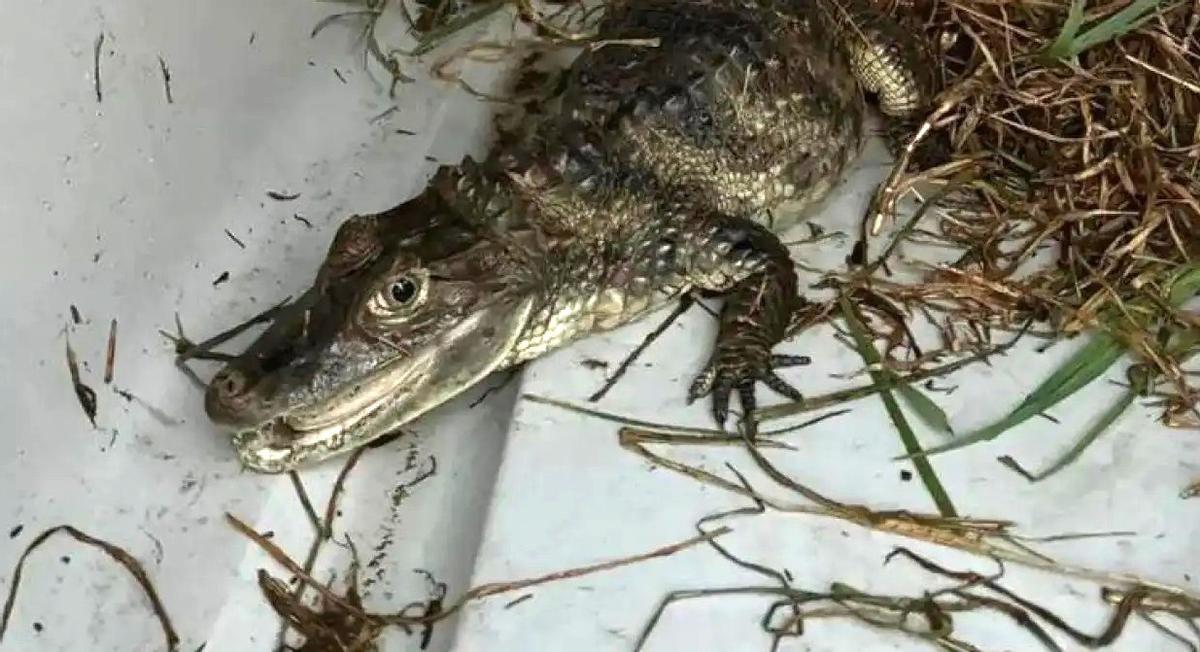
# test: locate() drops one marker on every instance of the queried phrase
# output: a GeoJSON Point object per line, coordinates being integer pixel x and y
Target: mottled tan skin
{"type": "Point", "coordinates": [660, 170]}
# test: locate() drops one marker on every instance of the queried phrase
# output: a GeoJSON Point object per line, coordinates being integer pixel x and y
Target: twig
{"type": "Point", "coordinates": [96, 67]}
{"type": "Point", "coordinates": [685, 302]}
{"type": "Point", "coordinates": [978, 536]}
{"type": "Point", "coordinates": [186, 350]}
{"type": "Point", "coordinates": [667, 433]}
{"type": "Point", "coordinates": [117, 553]}
{"type": "Point", "coordinates": [324, 529]}
{"type": "Point", "coordinates": [166, 75]}
{"type": "Point", "coordinates": [1124, 607]}
{"type": "Point", "coordinates": [336, 492]}
{"type": "Point", "coordinates": [496, 588]}
{"type": "Point", "coordinates": [516, 601]}
{"type": "Point", "coordinates": [909, 225]}
{"type": "Point", "coordinates": [235, 239]}
{"type": "Point", "coordinates": [86, 395]}
{"type": "Point", "coordinates": [385, 114]}
{"type": "Point", "coordinates": [282, 558]}
{"type": "Point", "coordinates": [834, 398]}
{"type": "Point", "coordinates": [476, 593]}
{"type": "Point", "coordinates": [302, 494]}
{"type": "Point", "coordinates": [110, 357]}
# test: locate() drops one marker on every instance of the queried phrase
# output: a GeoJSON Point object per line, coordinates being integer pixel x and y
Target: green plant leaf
{"type": "Point", "coordinates": [1185, 286]}
{"type": "Point", "coordinates": [1070, 43]}
{"type": "Point", "coordinates": [1081, 369]}
{"type": "Point", "coordinates": [1062, 45]}
{"type": "Point", "coordinates": [1106, 420]}
{"type": "Point", "coordinates": [886, 380]}
{"type": "Point", "coordinates": [1119, 24]}
{"type": "Point", "coordinates": [925, 408]}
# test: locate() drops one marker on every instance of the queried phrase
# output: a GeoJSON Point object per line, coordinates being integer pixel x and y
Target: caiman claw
{"type": "Point", "coordinates": [733, 367]}
{"type": "Point", "coordinates": [757, 315]}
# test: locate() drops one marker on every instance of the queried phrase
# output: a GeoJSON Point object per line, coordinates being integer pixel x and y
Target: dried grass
{"type": "Point", "coordinates": [1080, 209]}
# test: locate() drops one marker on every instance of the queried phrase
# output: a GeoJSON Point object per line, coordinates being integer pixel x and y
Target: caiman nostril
{"type": "Point", "coordinates": [230, 386]}
{"type": "Point", "coordinates": [234, 397]}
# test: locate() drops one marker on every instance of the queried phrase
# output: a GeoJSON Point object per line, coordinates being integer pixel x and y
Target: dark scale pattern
{"type": "Point", "coordinates": [665, 165]}
{"type": "Point", "coordinates": [660, 170]}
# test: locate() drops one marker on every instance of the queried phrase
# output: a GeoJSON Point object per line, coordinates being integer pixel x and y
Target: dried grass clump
{"type": "Point", "coordinates": [1070, 146]}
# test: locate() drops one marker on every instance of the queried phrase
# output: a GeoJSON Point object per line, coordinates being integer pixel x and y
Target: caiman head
{"type": "Point", "coordinates": [408, 309]}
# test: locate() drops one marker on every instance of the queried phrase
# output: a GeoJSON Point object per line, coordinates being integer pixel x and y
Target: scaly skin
{"type": "Point", "coordinates": [661, 170]}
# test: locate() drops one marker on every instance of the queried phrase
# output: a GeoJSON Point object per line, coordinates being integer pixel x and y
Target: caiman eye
{"type": "Point", "coordinates": [397, 297]}
{"type": "Point", "coordinates": [402, 290]}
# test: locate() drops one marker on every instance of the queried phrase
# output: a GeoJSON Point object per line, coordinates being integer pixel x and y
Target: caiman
{"type": "Point", "coordinates": [661, 169]}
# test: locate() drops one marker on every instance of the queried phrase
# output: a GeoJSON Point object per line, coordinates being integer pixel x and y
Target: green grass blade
{"type": "Point", "coordinates": [1110, 415]}
{"type": "Point", "coordinates": [1084, 367]}
{"type": "Point", "coordinates": [925, 408]}
{"type": "Point", "coordinates": [1185, 286]}
{"type": "Point", "coordinates": [1070, 28]}
{"type": "Point", "coordinates": [886, 380]}
{"type": "Point", "coordinates": [1070, 43]}
{"type": "Point", "coordinates": [1123, 22]}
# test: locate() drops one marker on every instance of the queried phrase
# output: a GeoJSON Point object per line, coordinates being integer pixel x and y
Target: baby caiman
{"type": "Point", "coordinates": [662, 168]}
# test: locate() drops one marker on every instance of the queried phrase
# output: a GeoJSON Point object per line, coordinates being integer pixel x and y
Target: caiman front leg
{"type": "Point", "coordinates": [758, 311]}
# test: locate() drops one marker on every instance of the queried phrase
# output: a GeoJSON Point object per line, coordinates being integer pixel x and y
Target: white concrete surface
{"type": "Point", "coordinates": [119, 207]}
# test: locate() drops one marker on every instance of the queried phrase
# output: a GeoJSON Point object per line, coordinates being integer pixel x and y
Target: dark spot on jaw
{"type": "Point", "coordinates": [488, 332]}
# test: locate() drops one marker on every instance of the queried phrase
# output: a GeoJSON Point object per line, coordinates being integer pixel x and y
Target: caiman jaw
{"type": "Point", "coordinates": [293, 438]}
{"type": "Point", "coordinates": [389, 397]}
